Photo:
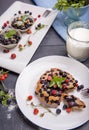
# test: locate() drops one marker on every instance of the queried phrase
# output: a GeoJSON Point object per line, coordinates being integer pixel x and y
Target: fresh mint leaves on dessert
{"type": "Point", "coordinates": [65, 4]}
{"type": "Point", "coordinates": [24, 17]}
{"type": "Point", "coordinates": [57, 80]}
{"type": "Point", "coordinates": [9, 34]}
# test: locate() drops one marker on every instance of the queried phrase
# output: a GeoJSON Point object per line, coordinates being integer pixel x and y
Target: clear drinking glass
{"type": "Point", "coordinates": [78, 40]}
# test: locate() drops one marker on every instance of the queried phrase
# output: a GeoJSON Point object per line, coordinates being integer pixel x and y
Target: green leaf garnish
{"type": "Point", "coordinates": [5, 97]}
{"type": "Point", "coordinates": [4, 102]}
{"type": "Point", "coordinates": [57, 80]}
{"type": "Point", "coordinates": [24, 17]}
{"type": "Point", "coordinates": [9, 34]}
{"type": "Point", "coordinates": [42, 26]}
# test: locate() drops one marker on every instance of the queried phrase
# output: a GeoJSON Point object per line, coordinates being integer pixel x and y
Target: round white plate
{"type": "Point", "coordinates": [26, 85]}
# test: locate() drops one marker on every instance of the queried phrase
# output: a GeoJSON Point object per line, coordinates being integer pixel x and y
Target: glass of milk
{"type": "Point", "coordinates": [78, 40]}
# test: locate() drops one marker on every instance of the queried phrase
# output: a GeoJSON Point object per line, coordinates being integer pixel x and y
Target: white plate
{"type": "Point", "coordinates": [26, 85]}
{"type": "Point", "coordinates": [23, 57]}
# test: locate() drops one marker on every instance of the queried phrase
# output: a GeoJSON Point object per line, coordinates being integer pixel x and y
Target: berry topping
{"type": "Point", "coordinates": [80, 87]}
{"type": "Point", "coordinates": [63, 86]}
{"type": "Point", "coordinates": [49, 78]}
{"type": "Point", "coordinates": [54, 92]}
{"type": "Point", "coordinates": [67, 80]}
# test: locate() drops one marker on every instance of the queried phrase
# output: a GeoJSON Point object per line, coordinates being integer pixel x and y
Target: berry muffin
{"type": "Point", "coordinates": [52, 84]}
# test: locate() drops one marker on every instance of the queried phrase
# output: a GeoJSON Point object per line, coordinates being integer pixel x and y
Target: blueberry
{"type": "Point", "coordinates": [58, 111]}
{"type": "Point", "coordinates": [25, 12]}
{"type": "Point", "coordinates": [19, 12]}
{"type": "Point", "coordinates": [36, 28]}
{"type": "Point", "coordinates": [64, 107]}
{"type": "Point", "coordinates": [30, 13]}
{"type": "Point", "coordinates": [80, 87]}
{"type": "Point", "coordinates": [39, 25]}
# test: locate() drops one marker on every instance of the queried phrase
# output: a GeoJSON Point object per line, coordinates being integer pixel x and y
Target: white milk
{"type": "Point", "coordinates": [79, 48]}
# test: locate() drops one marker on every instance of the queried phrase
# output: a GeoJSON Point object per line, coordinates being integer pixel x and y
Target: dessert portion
{"type": "Point", "coordinates": [22, 22]}
{"type": "Point", "coordinates": [73, 102]}
{"type": "Point", "coordinates": [52, 84]}
{"type": "Point", "coordinates": [9, 38]}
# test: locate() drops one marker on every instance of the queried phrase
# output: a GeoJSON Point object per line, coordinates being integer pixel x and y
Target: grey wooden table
{"type": "Point", "coordinates": [52, 44]}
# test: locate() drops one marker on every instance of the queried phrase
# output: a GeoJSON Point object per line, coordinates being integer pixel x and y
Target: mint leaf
{"type": "Point", "coordinates": [9, 34]}
{"type": "Point", "coordinates": [42, 26]}
{"type": "Point", "coordinates": [4, 102]}
{"type": "Point", "coordinates": [52, 83]}
{"type": "Point", "coordinates": [4, 97]}
{"type": "Point", "coordinates": [24, 17]}
{"type": "Point", "coordinates": [1, 93]}
{"type": "Point", "coordinates": [59, 84]}
{"type": "Point", "coordinates": [57, 80]}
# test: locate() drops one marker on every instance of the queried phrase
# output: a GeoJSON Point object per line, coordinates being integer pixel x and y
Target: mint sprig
{"type": "Point", "coordinates": [9, 34]}
{"type": "Point", "coordinates": [57, 80]}
{"type": "Point", "coordinates": [24, 17]}
{"type": "Point", "coordinates": [42, 26]}
{"type": "Point", "coordinates": [5, 97]}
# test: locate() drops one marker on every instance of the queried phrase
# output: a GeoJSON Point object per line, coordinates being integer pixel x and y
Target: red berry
{"type": "Point", "coordinates": [20, 45]}
{"type": "Point", "coordinates": [13, 56]}
{"type": "Point", "coordinates": [29, 42]}
{"type": "Point", "coordinates": [54, 92]}
{"type": "Point", "coordinates": [35, 19]}
{"type": "Point", "coordinates": [76, 84]}
{"type": "Point", "coordinates": [39, 16]}
{"type": "Point", "coordinates": [2, 77]}
{"type": "Point", "coordinates": [6, 51]}
{"type": "Point", "coordinates": [5, 24]}
{"type": "Point", "coordinates": [67, 80]}
{"type": "Point", "coordinates": [36, 111]}
{"type": "Point", "coordinates": [29, 31]}
{"type": "Point", "coordinates": [68, 110]}
{"type": "Point", "coordinates": [5, 75]}
{"type": "Point", "coordinates": [49, 78]}
{"type": "Point", "coordinates": [64, 86]}
{"type": "Point", "coordinates": [30, 97]}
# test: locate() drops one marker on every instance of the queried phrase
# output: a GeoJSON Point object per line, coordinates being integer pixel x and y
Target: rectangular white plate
{"type": "Point", "coordinates": [23, 57]}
